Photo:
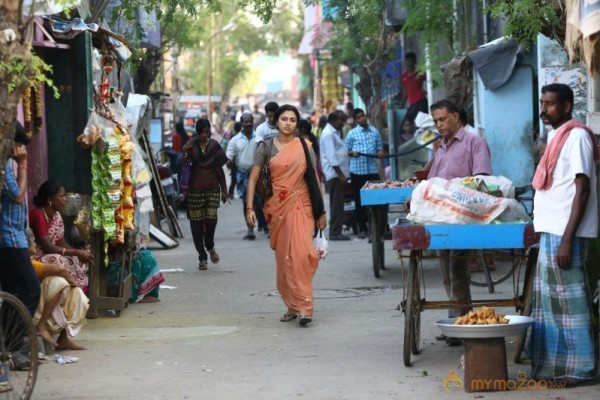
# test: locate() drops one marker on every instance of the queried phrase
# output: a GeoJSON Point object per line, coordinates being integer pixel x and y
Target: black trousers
{"type": "Point", "coordinates": [203, 233]}
{"type": "Point", "coordinates": [358, 181]}
{"type": "Point", "coordinates": [336, 206]}
{"type": "Point", "coordinates": [18, 277]}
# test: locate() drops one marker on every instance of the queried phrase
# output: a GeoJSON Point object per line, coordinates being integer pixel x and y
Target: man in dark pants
{"type": "Point", "coordinates": [17, 275]}
{"type": "Point", "coordinates": [334, 162]}
{"type": "Point", "coordinates": [363, 139]}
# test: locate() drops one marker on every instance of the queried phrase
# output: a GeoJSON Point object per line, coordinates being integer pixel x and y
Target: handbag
{"type": "Point", "coordinates": [314, 190]}
{"type": "Point", "coordinates": [186, 172]}
{"type": "Point", "coordinates": [264, 187]}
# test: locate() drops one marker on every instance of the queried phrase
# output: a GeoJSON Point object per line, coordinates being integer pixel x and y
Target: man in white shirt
{"type": "Point", "coordinates": [566, 213]}
{"type": "Point", "coordinates": [335, 164]}
{"type": "Point", "coordinates": [267, 129]}
{"type": "Point", "coordinates": [241, 150]}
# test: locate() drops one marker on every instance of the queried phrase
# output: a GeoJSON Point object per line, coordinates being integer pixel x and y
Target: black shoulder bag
{"type": "Point", "coordinates": [264, 187]}
{"type": "Point", "coordinates": [314, 190]}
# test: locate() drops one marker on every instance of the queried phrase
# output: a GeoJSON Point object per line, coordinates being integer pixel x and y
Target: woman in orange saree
{"type": "Point", "coordinates": [289, 215]}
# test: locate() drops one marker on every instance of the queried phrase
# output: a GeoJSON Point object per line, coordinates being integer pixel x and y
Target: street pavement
{"type": "Point", "coordinates": [216, 334]}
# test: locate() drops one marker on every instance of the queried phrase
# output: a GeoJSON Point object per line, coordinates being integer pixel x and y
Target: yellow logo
{"type": "Point", "coordinates": [452, 380]}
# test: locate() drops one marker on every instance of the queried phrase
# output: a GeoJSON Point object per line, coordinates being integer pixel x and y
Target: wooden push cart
{"type": "Point", "coordinates": [416, 238]}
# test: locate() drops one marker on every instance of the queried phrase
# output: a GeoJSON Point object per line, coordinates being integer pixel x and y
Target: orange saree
{"type": "Point", "coordinates": [291, 223]}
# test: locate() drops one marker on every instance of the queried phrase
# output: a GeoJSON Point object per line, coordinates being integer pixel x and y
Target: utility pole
{"type": "Point", "coordinates": [209, 65]}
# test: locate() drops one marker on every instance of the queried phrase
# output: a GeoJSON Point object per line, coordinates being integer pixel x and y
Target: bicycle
{"type": "Point", "coordinates": [18, 343]}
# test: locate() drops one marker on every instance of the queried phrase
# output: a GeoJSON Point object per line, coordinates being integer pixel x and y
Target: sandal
{"type": "Point", "coordinates": [288, 316]}
{"type": "Point", "coordinates": [203, 265]}
{"type": "Point", "coordinates": [250, 236]}
{"type": "Point", "coordinates": [214, 257]}
{"type": "Point", "coordinates": [305, 319]}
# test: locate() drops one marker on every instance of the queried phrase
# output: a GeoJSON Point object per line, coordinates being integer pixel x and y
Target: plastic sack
{"type": "Point", "coordinates": [321, 245]}
{"type": "Point", "coordinates": [439, 201]}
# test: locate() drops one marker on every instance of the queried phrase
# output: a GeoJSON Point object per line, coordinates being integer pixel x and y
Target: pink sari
{"type": "Point", "coordinates": [56, 233]}
{"type": "Point", "coordinates": [291, 224]}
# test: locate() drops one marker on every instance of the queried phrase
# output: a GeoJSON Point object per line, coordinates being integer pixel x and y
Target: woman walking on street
{"type": "Point", "coordinates": [207, 187]}
{"type": "Point", "coordinates": [289, 214]}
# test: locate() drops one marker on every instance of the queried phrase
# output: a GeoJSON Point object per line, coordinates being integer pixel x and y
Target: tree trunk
{"type": "Point", "coordinates": [10, 18]}
{"type": "Point", "coordinates": [148, 70]}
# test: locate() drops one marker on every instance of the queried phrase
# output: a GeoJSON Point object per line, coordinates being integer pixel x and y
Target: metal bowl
{"type": "Point", "coordinates": [517, 325]}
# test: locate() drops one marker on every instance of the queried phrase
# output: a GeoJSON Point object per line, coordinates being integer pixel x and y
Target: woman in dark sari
{"type": "Point", "coordinates": [207, 187]}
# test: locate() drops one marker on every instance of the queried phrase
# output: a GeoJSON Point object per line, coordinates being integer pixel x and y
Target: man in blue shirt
{"type": "Point", "coordinates": [363, 139]}
{"type": "Point", "coordinates": [17, 275]}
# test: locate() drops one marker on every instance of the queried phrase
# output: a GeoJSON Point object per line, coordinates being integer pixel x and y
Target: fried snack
{"type": "Point", "coordinates": [483, 316]}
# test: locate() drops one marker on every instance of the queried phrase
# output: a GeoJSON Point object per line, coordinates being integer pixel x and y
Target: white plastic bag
{"type": "Point", "coordinates": [321, 245]}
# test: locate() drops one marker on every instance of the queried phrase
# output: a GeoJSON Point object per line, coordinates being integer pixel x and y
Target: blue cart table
{"type": "Point", "coordinates": [416, 238]}
{"type": "Point", "coordinates": [377, 200]}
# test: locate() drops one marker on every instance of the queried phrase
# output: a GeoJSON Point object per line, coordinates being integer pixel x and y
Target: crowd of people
{"type": "Point", "coordinates": [561, 346]}
{"type": "Point", "coordinates": [50, 276]}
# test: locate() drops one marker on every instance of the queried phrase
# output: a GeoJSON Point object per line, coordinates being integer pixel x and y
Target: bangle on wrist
{"type": "Point", "coordinates": [249, 209]}
{"type": "Point", "coordinates": [22, 166]}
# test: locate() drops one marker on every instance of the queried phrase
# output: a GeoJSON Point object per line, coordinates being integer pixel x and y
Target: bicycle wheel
{"type": "Point", "coordinates": [496, 267]}
{"type": "Point", "coordinates": [17, 339]}
{"type": "Point", "coordinates": [412, 310]}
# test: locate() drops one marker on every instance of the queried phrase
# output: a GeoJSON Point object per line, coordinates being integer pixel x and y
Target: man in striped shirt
{"type": "Point", "coordinates": [361, 140]}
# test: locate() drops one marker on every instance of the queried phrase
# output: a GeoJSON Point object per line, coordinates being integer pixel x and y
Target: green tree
{"type": "Point", "coordinates": [365, 44]}
{"type": "Point", "coordinates": [225, 41]}
{"type": "Point", "coordinates": [17, 62]}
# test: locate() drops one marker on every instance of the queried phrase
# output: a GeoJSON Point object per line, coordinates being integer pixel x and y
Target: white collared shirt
{"type": "Point", "coordinates": [265, 131]}
{"type": "Point", "coordinates": [241, 149]}
{"type": "Point", "coordinates": [333, 153]}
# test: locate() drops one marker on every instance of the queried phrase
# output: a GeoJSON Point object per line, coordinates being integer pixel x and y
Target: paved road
{"type": "Point", "coordinates": [216, 334]}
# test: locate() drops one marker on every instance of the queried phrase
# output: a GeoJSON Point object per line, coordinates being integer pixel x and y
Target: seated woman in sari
{"type": "Point", "coordinates": [49, 230]}
{"type": "Point", "coordinates": [62, 307]}
{"type": "Point", "coordinates": [289, 215]}
{"type": "Point", "coordinates": [147, 278]}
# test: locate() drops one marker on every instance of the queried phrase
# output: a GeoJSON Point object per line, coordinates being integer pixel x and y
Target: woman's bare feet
{"type": "Point", "coordinates": [69, 345]}
{"type": "Point", "coordinates": [149, 299]}
{"type": "Point", "coordinates": [64, 343]}
{"type": "Point", "coordinates": [41, 331]}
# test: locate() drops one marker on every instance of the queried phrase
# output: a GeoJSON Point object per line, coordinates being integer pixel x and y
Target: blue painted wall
{"type": "Point", "coordinates": [504, 118]}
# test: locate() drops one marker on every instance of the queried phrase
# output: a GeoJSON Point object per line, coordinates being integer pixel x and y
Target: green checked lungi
{"type": "Point", "coordinates": [561, 345]}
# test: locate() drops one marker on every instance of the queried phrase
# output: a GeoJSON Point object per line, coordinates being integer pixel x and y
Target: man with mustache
{"type": "Point", "coordinates": [566, 213]}
{"type": "Point", "coordinates": [460, 154]}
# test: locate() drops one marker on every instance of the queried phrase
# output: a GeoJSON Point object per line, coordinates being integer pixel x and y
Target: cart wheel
{"type": "Point", "coordinates": [377, 241]}
{"type": "Point", "coordinates": [527, 302]}
{"type": "Point", "coordinates": [412, 310]}
{"type": "Point", "coordinates": [375, 254]}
